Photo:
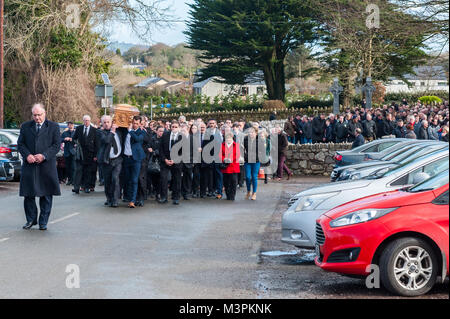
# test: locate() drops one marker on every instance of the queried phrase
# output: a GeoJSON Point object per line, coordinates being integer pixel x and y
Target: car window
{"type": "Point", "coordinates": [431, 169]}
{"type": "Point", "coordinates": [403, 153]}
{"type": "Point", "coordinates": [384, 146]}
{"type": "Point", "coordinates": [442, 199]}
{"type": "Point", "coordinates": [4, 139]}
{"type": "Point", "coordinates": [371, 149]}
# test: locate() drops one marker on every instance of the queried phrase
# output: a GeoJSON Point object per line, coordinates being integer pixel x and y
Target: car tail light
{"type": "Point", "coordinates": [338, 157]}
{"type": "Point", "coordinates": [5, 150]}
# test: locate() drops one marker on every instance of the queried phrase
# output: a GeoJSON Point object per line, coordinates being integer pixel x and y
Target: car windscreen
{"type": "Point", "coordinates": [431, 183]}
{"type": "Point", "coordinates": [420, 153]}
{"type": "Point", "coordinates": [400, 154]}
{"type": "Point", "coordinates": [388, 171]}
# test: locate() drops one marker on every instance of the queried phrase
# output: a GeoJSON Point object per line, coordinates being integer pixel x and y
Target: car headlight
{"type": "Point", "coordinates": [360, 216]}
{"type": "Point", "coordinates": [355, 176]}
{"type": "Point", "coordinates": [312, 201]}
{"type": "Point", "coordinates": [347, 172]}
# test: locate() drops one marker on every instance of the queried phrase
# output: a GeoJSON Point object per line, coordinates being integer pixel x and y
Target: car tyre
{"type": "Point", "coordinates": [408, 267]}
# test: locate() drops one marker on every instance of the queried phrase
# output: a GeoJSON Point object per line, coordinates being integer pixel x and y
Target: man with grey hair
{"type": "Point", "coordinates": [38, 143]}
{"type": "Point", "coordinates": [86, 163]}
{"type": "Point", "coordinates": [110, 159]}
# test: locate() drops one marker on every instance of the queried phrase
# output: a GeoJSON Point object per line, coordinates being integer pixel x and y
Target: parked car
{"type": "Point", "coordinates": [6, 171]}
{"type": "Point", "coordinates": [299, 220]}
{"type": "Point", "coordinates": [375, 149]}
{"type": "Point", "coordinates": [401, 156]}
{"type": "Point", "coordinates": [9, 151]}
{"type": "Point", "coordinates": [404, 233]}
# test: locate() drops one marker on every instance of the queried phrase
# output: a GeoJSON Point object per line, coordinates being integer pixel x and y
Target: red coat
{"type": "Point", "coordinates": [233, 152]}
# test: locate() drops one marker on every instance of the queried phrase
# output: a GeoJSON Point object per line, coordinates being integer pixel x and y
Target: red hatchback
{"type": "Point", "coordinates": [404, 233]}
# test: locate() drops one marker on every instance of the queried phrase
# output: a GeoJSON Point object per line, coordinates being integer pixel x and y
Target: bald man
{"type": "Point", "coordinates": [38, 143]}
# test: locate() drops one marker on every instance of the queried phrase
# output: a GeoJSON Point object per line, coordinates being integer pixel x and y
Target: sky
{"type": "Point", "coordinates": [171, 36]}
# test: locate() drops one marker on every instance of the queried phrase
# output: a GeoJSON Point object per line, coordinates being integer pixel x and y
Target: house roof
{"type": "Point", "coordinates": [149, 81]}
{"type": "Point", "coordinates": [435, 72]}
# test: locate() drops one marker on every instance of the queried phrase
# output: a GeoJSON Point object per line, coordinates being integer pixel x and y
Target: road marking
{"type": "Point", "coordinates": [64, 218]}
{"type": "Point", "coordinates": [3, 239]}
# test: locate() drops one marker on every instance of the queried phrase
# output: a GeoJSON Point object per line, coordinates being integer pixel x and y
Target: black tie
{"type": "Point", "coordinates": [114, 144]}
{"type": "Point", "coordinates": [38, 128]}
{"type": "Point", "coordinates": [85, 131]}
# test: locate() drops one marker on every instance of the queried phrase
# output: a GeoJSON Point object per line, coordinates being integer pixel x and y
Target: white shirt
{"type": "Point", "coordinates": [173, 137]}
{"type": "Point", "coordinates": [119, 147]}
{"type": "Point", "coordinates": [86, 129]}
{"type": "Point", "coordinates": [127, 151]}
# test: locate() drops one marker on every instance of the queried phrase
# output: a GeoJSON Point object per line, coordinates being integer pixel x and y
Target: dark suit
{"type": "Point", "coordinates": [39, 180]}
{"type": "Point", "coordinates": [69, 154]}
{"type": "Point", "coordinates": [133, 162]}
{"type": "Point", "coordinates": [111, 167]}
{"type": "Point", "coordinates": [142, 183]}
{"type": "Point", "coordinates": [359, 140]}
{"type": "Point", "coordinates": [86, 170]}
{"type": "Point", "coordinates": [175, 169]}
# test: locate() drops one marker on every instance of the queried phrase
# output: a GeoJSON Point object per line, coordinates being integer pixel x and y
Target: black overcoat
{"type": "Point", "coordinates": [38, 180]}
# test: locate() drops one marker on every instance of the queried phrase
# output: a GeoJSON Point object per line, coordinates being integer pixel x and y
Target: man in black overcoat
{"type": "Point", "coordinates": [38, 143]}
{"type": "Point", "coordinates": [86, 137]}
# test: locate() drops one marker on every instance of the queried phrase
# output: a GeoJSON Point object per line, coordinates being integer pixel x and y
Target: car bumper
{"type": "Point", "coordinates": [362, 238]}
{"type": "Point", "coordinates": [6, 172]}
{"type": "Point", "coordinates": [299, 228]}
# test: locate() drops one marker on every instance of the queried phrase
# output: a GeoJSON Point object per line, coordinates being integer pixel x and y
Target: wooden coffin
{"type": "Point", "coordinates": [123, 114]}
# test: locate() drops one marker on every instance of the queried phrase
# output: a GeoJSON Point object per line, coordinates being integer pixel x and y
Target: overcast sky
{"type": "Point", "coordinates": [170, 36]}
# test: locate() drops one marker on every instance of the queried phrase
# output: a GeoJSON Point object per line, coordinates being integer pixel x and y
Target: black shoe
{"type": "Point", "coordinates": [185, 198]}
{"type": "Point", "coordinates": [42, 227]}
{"type": "Point", "coordinates": [76, 191]}
{"type": "Point", "coordinates": [28, 225]}
{"type": "Point", "coordinates": [140, 204]}
{"type": "Point", "coordinates": [87, 190]}
{"type": "Point", "coordinates": [176, 202]}
{"type": "Point", "coordinates": [114, 205]}
{"type": "Point", "coordinates": [211, 195]}
{"type": "Point", "coordinates": [163, 201]}
{"type": "Point", "coordinates": [107, 203]}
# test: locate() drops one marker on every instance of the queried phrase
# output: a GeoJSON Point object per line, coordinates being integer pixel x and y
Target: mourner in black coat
{"type": "Point", "coordinates": [169, 164]}
{"type": "Point", "coordinates": [86, 136]}
{"type": "Point", "coordinates": [38, 143]}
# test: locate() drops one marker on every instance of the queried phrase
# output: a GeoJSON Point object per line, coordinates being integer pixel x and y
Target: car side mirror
{"type": "Point", "coordinates": [420, 177]}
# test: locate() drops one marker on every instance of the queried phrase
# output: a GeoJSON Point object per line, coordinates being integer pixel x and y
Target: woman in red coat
{"type": "Point", "coordinates": [230, 155]}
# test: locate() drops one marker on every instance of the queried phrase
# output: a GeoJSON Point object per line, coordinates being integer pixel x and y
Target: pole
{"type": "Point", "coordinates": [1, 66]}
{"type": "Point", "coordinates": [106, 101]}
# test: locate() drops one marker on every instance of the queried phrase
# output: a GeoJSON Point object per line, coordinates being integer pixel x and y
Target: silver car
{"type": "Point", "coordinates": [359, 171]}
{"type": "Point", "coordinates": [299, 221]}
{"type": "Point", "coordinates": [375, 150]}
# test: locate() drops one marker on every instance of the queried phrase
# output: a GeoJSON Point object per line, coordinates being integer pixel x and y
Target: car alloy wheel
{"type": "Point", "coordinates": [408, 267]}
{"type": "Point", "coordinates": [413, 268]}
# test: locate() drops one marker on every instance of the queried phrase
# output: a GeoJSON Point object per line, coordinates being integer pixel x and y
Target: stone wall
{"type": "Point", "coordinates": [313, 159]}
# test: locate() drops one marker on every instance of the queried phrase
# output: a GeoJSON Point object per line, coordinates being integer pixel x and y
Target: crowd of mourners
{"type": "Point", "coordinates": [359, 125]}
{"type": "Point", "coordinates": [135, 163]}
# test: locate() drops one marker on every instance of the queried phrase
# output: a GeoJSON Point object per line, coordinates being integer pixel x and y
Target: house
{"type": "Point", "coordinates": [152, 83]}
{"type": "Point", "coordinates": [211, 88]}
{"type": "Point", "coordinates": [173, 87]}
{"type": "Point", "coordinates": [426, 78]}
{"type": "Point", "coordinates": [135, 64]}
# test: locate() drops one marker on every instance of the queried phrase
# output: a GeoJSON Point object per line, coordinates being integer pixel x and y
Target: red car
{"type": "Point", "coordinates": [404, 233]}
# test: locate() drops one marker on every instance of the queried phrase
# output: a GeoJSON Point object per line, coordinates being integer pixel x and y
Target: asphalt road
{"type": "Point", "coordinates": [201, 249]}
